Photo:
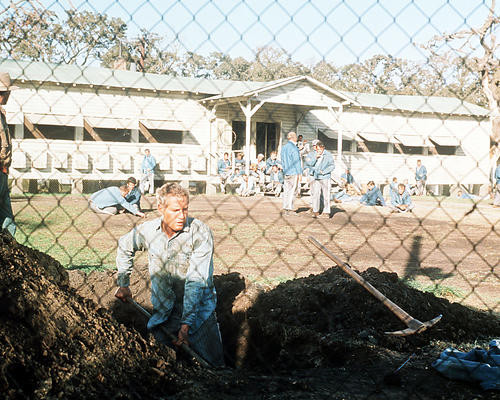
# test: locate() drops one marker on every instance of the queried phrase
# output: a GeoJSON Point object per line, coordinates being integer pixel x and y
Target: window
{"type": "Point", "coordinates": [412, 149]}
{"type": "Point", "coordinates": [109, 135]}
{"type": "Point", "coordinates": [449, 150]}
{"type": "Point", "coordinates": [163, 136]}
{"type": "Point", "coordinates": [332, 144]}
{"type": "Point", "coordinates": [374, 147]}
{"type": "Point", "coordinates": [57, 132]}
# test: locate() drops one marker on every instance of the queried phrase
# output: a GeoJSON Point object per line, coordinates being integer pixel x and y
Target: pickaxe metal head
{"type": "Point", "coordinates": [415, 326]}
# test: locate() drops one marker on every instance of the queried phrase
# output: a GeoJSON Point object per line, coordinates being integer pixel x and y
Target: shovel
{"type": "Point", "coordinates": [413, 324]}
{"type": "Point", "coordinates": [184, 347]}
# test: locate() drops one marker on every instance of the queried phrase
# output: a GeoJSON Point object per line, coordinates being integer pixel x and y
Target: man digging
{"type": "Point", "coordinates": [180, 257]}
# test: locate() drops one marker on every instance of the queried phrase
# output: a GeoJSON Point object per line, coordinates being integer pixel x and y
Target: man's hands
{"type": "Point", "coordinates": [182, 336]}
{"type": "Point", "coordinates": [123, 293]}
{"type": "Point", "coordinates": [141, 214]}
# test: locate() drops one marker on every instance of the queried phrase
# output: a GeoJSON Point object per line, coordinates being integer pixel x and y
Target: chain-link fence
{"type": "Point", "coordinates": [342, 153]}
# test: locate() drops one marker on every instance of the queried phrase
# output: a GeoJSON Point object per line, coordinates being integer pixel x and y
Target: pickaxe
{"type": "Point", "coordinates": [413, 324]}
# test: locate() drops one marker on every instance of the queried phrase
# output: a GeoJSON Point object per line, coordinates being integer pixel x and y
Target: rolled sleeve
{"type": "Point", "coordinates": [127, 246]}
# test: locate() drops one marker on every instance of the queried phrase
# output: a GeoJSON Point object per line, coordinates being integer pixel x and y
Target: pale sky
{"type": "Point", "coordinates": [337, 31]}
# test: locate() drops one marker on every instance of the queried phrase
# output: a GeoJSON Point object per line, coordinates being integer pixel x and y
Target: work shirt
{"type": "Point", "coordinates": [222, 165]}
{"type": "Point", "coordinates": [277, 177]}
{"type": "Point", "coordinates": [393, 190]}
{"type": "Point", "coordinates": [370, 198]}
{"type": "Point", "coordinates": [421, 173]}
{"type": "Point", "coordinates": [269, 164]}
{"type": "Point", "coordinates": [290, 158]}
{"type": "Point", "coordinates": [400, 199]}
{"type": "Point", "coordinates": [134, 196]}
{"type": "Point", "coordinates": [348, 177]}
{"type": "Point", "coordinates": [180, 267]}
{"type": "Point", "coordinates": [111, 196]}
{"type": "Point", "coordinates": [323, 166]}
{"type": "Point", "coordinates": [148, 164]}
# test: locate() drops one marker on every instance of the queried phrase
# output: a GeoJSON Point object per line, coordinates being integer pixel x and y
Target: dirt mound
{"type": "Point", "coordinates": [54, 344]}
{"type": "Point", "coordinates": [329, 319]}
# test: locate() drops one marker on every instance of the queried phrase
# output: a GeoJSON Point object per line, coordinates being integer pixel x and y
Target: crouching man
{"type": "Point", "coordinates": [180, 256]}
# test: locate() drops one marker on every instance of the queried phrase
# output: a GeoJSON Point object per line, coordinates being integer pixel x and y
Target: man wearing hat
{"type": "Point", "coordinates": [6, 215]}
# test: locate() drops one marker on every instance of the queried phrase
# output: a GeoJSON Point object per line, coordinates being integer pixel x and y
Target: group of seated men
{"type": "Point", "coordinates": [267, 176]}
{"type": "Point", "coordinates": [264, 175]}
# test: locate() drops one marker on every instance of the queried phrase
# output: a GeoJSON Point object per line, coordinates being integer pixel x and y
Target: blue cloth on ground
{"type": "Point", "coordinates": [477, 365]}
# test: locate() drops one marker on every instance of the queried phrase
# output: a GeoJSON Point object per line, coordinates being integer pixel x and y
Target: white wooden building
{"type": "Point", "coordinates": [76, 125]}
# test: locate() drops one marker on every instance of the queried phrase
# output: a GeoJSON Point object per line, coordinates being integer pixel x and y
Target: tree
{"type": "Point", "coordinates": [146, 52]}
{"type": "Point", "coordinates": [30, 33]}
{"type": "Point", "coordinates": [27, 33]}
{"type": "Point", "coordinates": [477, 49]}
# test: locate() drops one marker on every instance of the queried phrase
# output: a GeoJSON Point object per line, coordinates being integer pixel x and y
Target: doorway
{"type": "Point", "coordinates": [267, 138]}
{"type": "Point", "coordinates": [238, 133]}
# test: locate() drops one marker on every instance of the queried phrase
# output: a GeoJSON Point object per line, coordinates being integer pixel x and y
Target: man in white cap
{"type": "Point", "coordinates": [6, 215]}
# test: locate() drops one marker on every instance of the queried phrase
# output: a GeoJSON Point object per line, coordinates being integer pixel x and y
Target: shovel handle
{"type": "Point", "coordinates": [398, 311]}
{"type": "Point", "coordinates": [184, 347]}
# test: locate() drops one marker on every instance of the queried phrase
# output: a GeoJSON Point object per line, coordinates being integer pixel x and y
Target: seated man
{"type": "Point", "coordinates": [109, 201]}
{"type": "Point", "coordinates": [468, 196]}
{"type": "Point", "coordinates": [247, 187]}
{"type": "Point", "coordinates": [134, 194]}
{"type": "Point", "coordinates": [224, 170]}
{"type": "Point", "coordinates": [393, 188]}
{"type": "Point", "coordinates": [276, 184]}
{"type": "Point", "coordinates": [261, 168]}
{"type": "Point", "coordinates": [373, 197]}
{"type": "Point", "coordinates": [239, 162]}
{"type": "Point", "coordinates": [348, 182]}
{"type": "Point", "coordinates": [401, 201]}
{"type": "Point", "coordinates": [273, 160]}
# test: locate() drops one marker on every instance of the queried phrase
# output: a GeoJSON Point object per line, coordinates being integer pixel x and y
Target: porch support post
{"type": "Point", "coordinates": [249, 112]}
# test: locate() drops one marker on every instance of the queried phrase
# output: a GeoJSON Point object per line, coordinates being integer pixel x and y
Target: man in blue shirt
{"type": "Point", "coordinates": [224, 171]}
{"type": "Point", "coordinates": [401, 200]}
{"type": "Point", "coordinates": [321, 172]}
{"type": "Point", "coordinates": [180, 256]}
{"type": "Point", "coordinates": [148, 172]}
{"type": "Point", "coordinates": [373, 197]}
{"type": "Point", "coordinates": [277, 181]}
{"type": "Point", "coordinates": [292, 169]}
{"type": "Point", "coordinates": [133, 196]}
{"type": "Point", "coordinates": [110, 200]}
{"type": "Point", "coordinates": [420, 177]}
{"type": "Point", "coordinates": [273, 160]}
{"type": "Point", "coordinates": [496, 200]}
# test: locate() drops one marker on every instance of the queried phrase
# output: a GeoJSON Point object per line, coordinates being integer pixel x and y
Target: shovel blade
{"type": "Point", "coordinates": [421, 326]}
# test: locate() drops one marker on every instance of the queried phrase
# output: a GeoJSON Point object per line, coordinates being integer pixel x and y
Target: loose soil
{"type": "Point", "coordinates": [319, 336]}
{"type": "Point", "coordinates": [315, 337]}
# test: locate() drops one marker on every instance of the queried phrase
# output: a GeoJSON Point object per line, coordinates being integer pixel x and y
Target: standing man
{"type": "Point", "coordinates": [420, 177]}
{"type": "Point", "coordinates": [6, 215]}
{"type": "Point", "coordinates": [292, 169]}
{"type": "Point", "coordinates": [148, 172]}
{"type": "Point", "coordinates": [224, 171]}
{"type": "Point", "coordinates": [496, 200]}
{"type": "Point", "coordinates": [181, 270]}
{"type": "Point", "coordinates": [321, 172]}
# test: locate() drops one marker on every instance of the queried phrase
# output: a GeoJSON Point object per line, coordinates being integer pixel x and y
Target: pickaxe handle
{"type": "Point", "coordinates": [413, 324]}
{"type": "Point", "coordinates": [184, 347]}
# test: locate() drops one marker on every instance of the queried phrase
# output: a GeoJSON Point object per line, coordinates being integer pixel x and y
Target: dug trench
{"type": "Point", "coordinates": [64, 335]}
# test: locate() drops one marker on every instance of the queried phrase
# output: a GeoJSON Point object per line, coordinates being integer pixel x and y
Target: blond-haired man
{"type": "Point", "coordinates": [180, 254]}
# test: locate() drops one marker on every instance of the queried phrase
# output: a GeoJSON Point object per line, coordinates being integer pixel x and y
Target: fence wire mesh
{"type": "Point", "coordinates": [370, 128]}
